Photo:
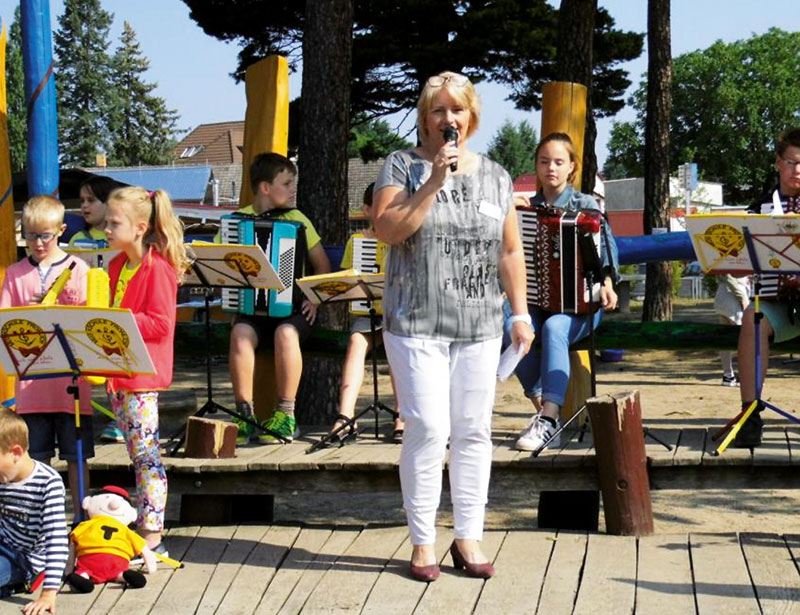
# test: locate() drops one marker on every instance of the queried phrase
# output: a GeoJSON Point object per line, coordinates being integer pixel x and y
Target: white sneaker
{"type": "Point", "coordinates": [730, 381]}
{"type": "Point", "coordinates": [538, 431]}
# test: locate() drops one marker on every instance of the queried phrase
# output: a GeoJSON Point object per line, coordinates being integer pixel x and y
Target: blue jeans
{"type": "Point", "coordinates": [11, 572]}
{"type": "Point", "coordinates": [544, 371]}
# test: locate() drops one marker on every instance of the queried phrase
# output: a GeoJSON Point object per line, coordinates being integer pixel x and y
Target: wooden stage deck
{"type": "Point", "coordinates": [370, 464]}
{"type": "Point", "coordinates": [354, 570]}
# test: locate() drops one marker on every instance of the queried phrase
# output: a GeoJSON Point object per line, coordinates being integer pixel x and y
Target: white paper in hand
{"type": "Point", "coordinates": [508, 362]}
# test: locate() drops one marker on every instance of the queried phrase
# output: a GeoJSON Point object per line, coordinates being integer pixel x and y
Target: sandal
{"type": "Point", "coordinates": [347, 430]}
{"type": "Point", "coordinates": [397, 436]}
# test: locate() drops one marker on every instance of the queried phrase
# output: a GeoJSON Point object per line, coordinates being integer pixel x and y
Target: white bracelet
{"type": "Point", "coordinates": [520, 318]}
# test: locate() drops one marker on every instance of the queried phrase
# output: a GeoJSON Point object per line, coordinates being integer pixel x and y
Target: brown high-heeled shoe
{"type": "Point", "coordinates": [426, 574]}
{"type": "Point", "coordinates": [479, 571]}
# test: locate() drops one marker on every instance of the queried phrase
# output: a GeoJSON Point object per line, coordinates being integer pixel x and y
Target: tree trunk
{"type": "Point", "coordinates": [322, 190]}
{"type": "Point", "coordinates": [574, 63]}
{"type": "Point", "coordinates": [658, 287]}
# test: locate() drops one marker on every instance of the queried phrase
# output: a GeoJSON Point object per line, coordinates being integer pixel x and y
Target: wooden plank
{"type": "Point", "coordinates": [321, 561]}
{"type": "Point", "coordinates": [138, 601]}
{"type": "Point", "coordinates": [521, 565]}
{"type": "Point", "coordinates": [355, 572]}
{"type": "Point", "coordinates": [183, 592]}
{"type": "Point", "coordinates": [258, 570]}
{"type": "Point", "coordinates": [664, 585]}
{"type": "Point", "coordinates": [364, 459]}
{"type": "Point", "coordinates": [241, 545]}
{"type": "Point", "coordinates": [574, 449]}
{"type": "Point", "coordinates": [691, 447]}
{"type": "Point", "coordinates": [298, 560]}
{"type": "Point", "coordinates": [609, 576]}
{"type": "Point", "coordinates": [722, 582]}
{"type": "Point", "coordinates": [563, 574]}
{"type": "Point", "coordinates": [774, 449]}
{"type": "Point", "coordinates": [730, 457]}
{"type": "Point", "coordinates": [504, 453]}
{"type": "Point", "coordinates": [455, 593]}
{"type": "Point", "coordinates": [340, 456]}
{"type": "Point", "coordinates": [656, 453]}
{"type": "Point", "coordinates": [395, 592]}
{"type": "Point", "coordinates": [280, 453]}
{"type": "Point", "coordinates": [773, 573]}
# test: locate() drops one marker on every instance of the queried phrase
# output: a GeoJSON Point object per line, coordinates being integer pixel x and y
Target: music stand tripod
{"type": "Point", "coordinates": [734, 425]}
{"type": "Point", "coordinates": [376, 406]}
{"type": "Point", "coordinates": [174, 441]}
{"type": "Point", "coordinates": [592, 269]}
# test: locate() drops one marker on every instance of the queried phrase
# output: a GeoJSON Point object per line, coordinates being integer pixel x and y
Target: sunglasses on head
{"type": "Point", "coordinates": [457, 80]}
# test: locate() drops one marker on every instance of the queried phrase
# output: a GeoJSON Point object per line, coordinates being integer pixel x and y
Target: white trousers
{"type": "Point", "coordinates": [445, 390]}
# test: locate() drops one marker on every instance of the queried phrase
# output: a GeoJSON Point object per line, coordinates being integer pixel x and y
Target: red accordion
{"type": "Point", "coordinates": [557, 245]}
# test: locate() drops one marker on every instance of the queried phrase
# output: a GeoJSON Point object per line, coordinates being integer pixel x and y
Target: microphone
{"type": "Point", "coordinates": [451, 134]}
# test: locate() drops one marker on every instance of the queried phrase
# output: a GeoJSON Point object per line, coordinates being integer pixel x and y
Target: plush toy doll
{"type": "Point", "coordinates": [104, 545]}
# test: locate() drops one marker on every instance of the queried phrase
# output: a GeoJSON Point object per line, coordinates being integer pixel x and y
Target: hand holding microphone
{"type": "Point", "coordinates": [451, 134]}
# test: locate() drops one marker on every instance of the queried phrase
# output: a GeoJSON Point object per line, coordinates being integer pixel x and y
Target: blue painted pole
{"type": "Point", "coordinates": [659, 247]}
{"type": "Point", "coordinates": [40, 95]}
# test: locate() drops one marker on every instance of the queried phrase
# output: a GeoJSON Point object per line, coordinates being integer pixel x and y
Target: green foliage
{"type": "Point", "coordinates": [507, 41]}
{"type": "Point", "coordinates": [630, 269]}
{"type": "Point", "coordinates": [142, 126]}
{"type": "Point", "coordinates": [512, 146]}
{"type": "Point", "coordinates": [15, 91]}
{"type": "Point", "coordinates": [677, 270]}
{"type": "Point", "coordinates": [625, 152]}
{"type": "Point", "coordinates": [83, 75]}
{"type": "Point", "coordinates": [729, 103]}
{"type": "Point", "coordinates": [710, 283]}
{"type": "Point", "coordinates": [373, 139]}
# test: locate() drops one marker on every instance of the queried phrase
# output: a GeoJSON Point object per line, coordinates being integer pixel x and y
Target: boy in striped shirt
{"type": "Point", "coordinates": [33, 526]}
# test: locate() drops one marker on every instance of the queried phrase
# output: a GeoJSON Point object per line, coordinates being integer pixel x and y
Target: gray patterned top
{"type": "Point", "coordinates": [442, 281]}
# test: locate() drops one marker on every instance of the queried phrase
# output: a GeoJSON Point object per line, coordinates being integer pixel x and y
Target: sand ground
{"type": "Point", "coordinates": [677, 389]}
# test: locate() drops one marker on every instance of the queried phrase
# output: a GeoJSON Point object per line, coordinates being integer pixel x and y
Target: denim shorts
{"type": "Point", "coordinates": [46, 429]}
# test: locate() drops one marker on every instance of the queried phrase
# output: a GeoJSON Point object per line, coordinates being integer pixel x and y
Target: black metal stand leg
{"type": "Point", "coordinates": [175, 441]}
{"type": "Point", "coordinates": [375, 407]}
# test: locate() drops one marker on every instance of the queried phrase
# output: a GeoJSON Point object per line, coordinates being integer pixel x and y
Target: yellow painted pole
{"type": "Point", "coordinates": [564, 110]}
{"type": "Point", "coordinates": [266, 121]}
{"type": "Point", "coordinates": [8, 243]}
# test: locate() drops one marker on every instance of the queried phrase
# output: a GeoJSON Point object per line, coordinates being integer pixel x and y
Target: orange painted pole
{"type": "Point", "coordinates": [564, 110]}
{"type": "Point", "coordinates": [266, 121]}
{"type": "Point", "coordinates": [8, 242]}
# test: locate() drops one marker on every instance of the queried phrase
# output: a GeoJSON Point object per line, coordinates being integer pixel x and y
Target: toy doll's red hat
{"type": "Point", "coordinates": [116, 491]}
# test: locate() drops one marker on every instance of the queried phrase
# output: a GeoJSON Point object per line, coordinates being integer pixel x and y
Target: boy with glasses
{"type": "Point", "coordinates": [45, 404]}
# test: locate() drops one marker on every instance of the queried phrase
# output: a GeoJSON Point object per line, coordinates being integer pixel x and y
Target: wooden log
{"type": "Point", "coordinates": [622, 463]}
{"type": "Point", "coordinates": [210, 439]}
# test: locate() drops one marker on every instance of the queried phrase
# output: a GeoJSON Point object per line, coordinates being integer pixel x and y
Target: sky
{"type": "Point", "coordinates": [193, 70]}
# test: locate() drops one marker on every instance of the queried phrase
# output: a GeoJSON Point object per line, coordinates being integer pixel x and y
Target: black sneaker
{"type": "Point", "coordinates": [749, 435]}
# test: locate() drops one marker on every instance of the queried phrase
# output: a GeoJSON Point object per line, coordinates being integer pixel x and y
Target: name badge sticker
{"type": "Point", "coordinates": [490, 209]}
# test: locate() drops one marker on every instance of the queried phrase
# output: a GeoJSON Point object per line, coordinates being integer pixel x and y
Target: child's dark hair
{"type": "Point", "coordinates": [564, 139]}
{"type": "Point", "coordinates": [788, 138]}
{"type": "Point", "coordinates": [13, 430]}
{"type": "Point", "coordinates": [266, 167]}
{"type": "Point", "coordinates": [101, 186]}
{"type": "Point", "coordinates": [367, 200]}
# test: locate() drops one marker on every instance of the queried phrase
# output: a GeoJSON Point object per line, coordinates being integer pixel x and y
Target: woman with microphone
{"type": "Point", "coordinates": [447, 214]}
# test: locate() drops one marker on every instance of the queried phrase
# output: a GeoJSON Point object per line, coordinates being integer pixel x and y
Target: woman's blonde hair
{"type": "Point", "coordinates": [43, 210]}
{"type": "Point", "coordinates": [164, 229]}
{"type": "Point", "coordinates": [460, 88]}
{"type": "Point", "coordinates": [566, 141]}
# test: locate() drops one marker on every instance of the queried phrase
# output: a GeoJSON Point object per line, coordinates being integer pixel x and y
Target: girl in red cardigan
{"type": "Point", "coordinates": [144, 278]}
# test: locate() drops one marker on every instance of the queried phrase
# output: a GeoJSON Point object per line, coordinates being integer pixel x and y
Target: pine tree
{"type": "Point", "coordinates": [513, 146]}
{"type": "Point", "coordinates": [15, 95]}
{"type": "Point", "coordinates": [84, 98]}
{"type": "Point", "coordinates": [141, 125]}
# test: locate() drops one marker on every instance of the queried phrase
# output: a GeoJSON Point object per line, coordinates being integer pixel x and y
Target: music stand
{"type": "Point", "coordinates": [743, 244]}
{"type": "Point", "coordinates": [225, 266]}
{"type": "Point", "coordinates": [592, 275]}
{"type": "Point", "coordinates": [89, 342]}
{"type": "Point", "coordinates": [350, 285]}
